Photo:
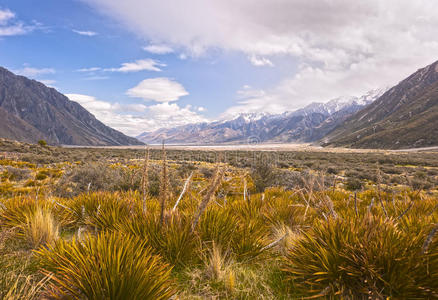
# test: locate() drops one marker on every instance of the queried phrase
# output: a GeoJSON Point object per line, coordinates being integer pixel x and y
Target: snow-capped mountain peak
{"type": "Point", "coordinates": [306, 124]}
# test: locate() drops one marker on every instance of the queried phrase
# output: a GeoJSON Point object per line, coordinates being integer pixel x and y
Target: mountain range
{"type": "Point", "coordinates": [406, 116]}
{"type": "Point", "coordinates": [308, 124]}
{"type": "Point", "coordinates": [31, 111]}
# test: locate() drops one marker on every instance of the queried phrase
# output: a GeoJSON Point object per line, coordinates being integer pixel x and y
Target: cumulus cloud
{"type": "Point", "coordinates": [138, 65]}
{"type": "Point", "coordinates": [85, 32]}
{"type": "Point", "coordinates": [158, 49]}
{"type": "Point", "coordinates": [133, 119]}
{"type": "Point", "coordinates": [341, 46]}
{"type": "Point", "coordinates": [10, 26]}
{"type": "Point", "coordinates": [158, 89]}
{"type": "Point", "coordinates": [93, 104]}
{"type": "Point", "coordinates": [260, 61]}
{"type": "Point", "coordinates": [167, 115]}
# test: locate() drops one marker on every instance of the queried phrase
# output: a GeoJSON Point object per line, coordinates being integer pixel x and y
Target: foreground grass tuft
{"type": "Point", "coordinates": [106, 266]}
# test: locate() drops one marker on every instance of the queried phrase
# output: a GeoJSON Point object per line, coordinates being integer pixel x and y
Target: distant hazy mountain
{"type": "Point", "coordinates": [406, 116]}
{"type": "Point", "coordinates": [308, 124]}
{"type": "Point", "coordinates": [30, 111]}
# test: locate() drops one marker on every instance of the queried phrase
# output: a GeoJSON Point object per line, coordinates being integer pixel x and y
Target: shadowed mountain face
{"type": "Point", "coordinates": [308, 124]}
{"type": "Point", "coordinates": [30, 111]}
{"type": "Point", "coordinates": [406, 116]}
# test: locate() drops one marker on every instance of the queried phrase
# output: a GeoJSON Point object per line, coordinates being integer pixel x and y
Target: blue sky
{"type": "Point", "coordinates": [217, 58]}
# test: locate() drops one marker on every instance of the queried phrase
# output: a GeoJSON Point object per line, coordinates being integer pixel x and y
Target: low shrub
{"type": "Point", "coordinates": [353, 184]}
{"type": "Point", "coordinates": [16, 174]}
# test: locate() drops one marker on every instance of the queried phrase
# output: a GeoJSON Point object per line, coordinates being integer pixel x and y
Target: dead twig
{"type": "Point", "coordinates": [164, 185]}
{"type": "Point", "coordinates": [429, 239]}
{"type": "Point", "coordinates": [406, 210]}
{"type": "Point", "coordinates": [144, 179]}
{"type": "Point", "coordinates": [217, 179]}
{"type": "Point", "coordinates": [274, 242]}
{"type": "Point", "coordinates": [186, 185]}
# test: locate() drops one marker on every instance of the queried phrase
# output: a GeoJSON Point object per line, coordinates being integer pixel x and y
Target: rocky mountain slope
{"type": "Point", "coordinates": [30, 111]}
{"type": "Point", "coordinates": [308, 124]}
{"type": "Point", "coordinates": [406, 116]}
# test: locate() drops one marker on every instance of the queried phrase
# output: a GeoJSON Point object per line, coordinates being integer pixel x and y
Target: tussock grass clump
{"type": "Point", "coordinates": [41, 228]}
{"type": "Point", "coordinates": [106, 266]}
{"type": "Point", "coordinates": [249, 241]}
{"type": "Point", "coordinates": [14, 211]}
{"type": "Point", "coordinates": [362, 258]}
{"type": "Point", "coordinates": [173, 239]}
{"type": "Point", "coordinates": [217, 225]}
{"type": "Point", "coordinates": [103, 210]}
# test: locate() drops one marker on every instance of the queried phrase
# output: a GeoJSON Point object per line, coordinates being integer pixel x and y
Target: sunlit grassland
{"type": "Point", "coordinates": [114, 229]}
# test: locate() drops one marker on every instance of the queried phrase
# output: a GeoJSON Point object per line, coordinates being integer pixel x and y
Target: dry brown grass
{"type": "Point", "coordinates": [41, 228]}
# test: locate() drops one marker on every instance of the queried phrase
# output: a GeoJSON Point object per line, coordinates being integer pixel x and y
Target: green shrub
{"type": "Point", "coordinates": [90, 177]}
{"type": "Point", "coordinates": [353, 184]}
{"type": "Point", "coordinates": [40, 176]}
{"type": "Point", "coordinates": [42, 143]}
{"type": "Point", "coordinates": [15, 174]}
{"type": "Point", "coordinates": [263, 174]}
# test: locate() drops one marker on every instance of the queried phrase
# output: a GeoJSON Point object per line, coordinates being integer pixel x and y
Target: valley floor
{"type": "Point", "coordinates": [265, 147]}
{"type": "Point", "coordinates": [111, 223]}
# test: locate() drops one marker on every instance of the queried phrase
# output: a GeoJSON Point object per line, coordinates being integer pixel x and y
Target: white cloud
{"type": "Point", "coordinates": [34, 72]}
{"type": "Point", "coordinates": [167, 115]}
{"type": "Point", "coordinates": [92, 69]}
{"type": "Point", "coordinates": [48, 82]}
{"type": "Point", "coordinates": [95, 105]}
{"type": "Point", "coordinates": [158, 89]}
{"type": "Point", "coordinates": [138, 65]}
{"type": "Point", "coordinates": [5, 16]}
{"type": "Point", "coordinates": [133, 119]}
{"type": "Point", "coordinates": [260, 61]}
{"type": "Point", "coordinates": [17, 29]}
{"type": "Point", "coordinates": [340, 46]}
{"type": "Point", "coordinates": [85, 33]}
{"type": "Point", "coordinates": [10, 26]}
{"type": "Point", "coordinates": [158, 49]}
{"type": "Point", "coordinates": [96, 77]}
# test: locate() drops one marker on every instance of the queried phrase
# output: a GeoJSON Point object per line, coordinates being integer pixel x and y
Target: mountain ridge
{"type": "Point", "coordinates": [302, 125]}
{"type": "Point", "coordinates": [406, 116]}
{"type": "Point", "coordinates": [30, 106]}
